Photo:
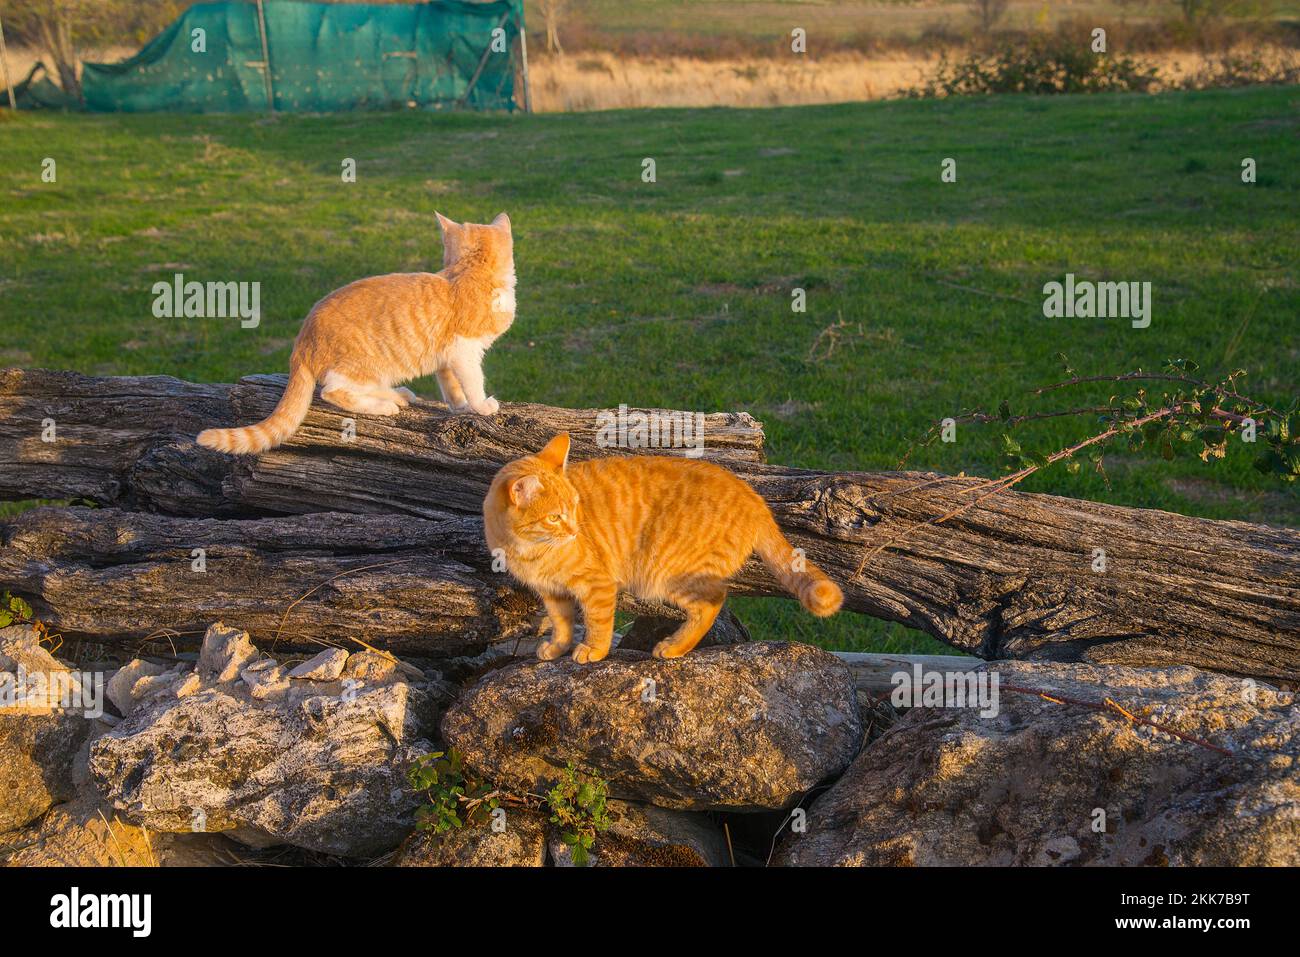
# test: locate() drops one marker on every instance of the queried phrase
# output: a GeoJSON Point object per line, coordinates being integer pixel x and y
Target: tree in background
{"type": "Point", "coordinates": [552, 12]}
{"type": "Point", "coordinates": [988, 12]}
{"type": "Point", "coordinates": [61, 29]}
{"type": "Point", "coordinates": [49, 26]}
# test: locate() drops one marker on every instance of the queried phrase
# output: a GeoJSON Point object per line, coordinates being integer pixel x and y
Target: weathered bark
{"type": "Point", "coordinates": [393, 581]}
{"type": "Point", "coordinates": [1011, 578]}
{"type": "Point", "coordinates": [417, 586]}
{"type": "Point", "coordinates": [1014, 577]}
{"type": "Point", "coordinates": [129, 441]}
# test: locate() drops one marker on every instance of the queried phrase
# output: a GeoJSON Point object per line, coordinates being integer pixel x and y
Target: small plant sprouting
{"type": "Point", "coordinates": [455, 795]}
{"type": "Point", "coordinates": [15, 611]}
{"type": "Point", "coordinates": [577, 804]}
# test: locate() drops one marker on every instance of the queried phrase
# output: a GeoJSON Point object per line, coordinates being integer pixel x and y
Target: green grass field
{"type": "Point", "coordinates": [677, 293]}
{"type": "Point", "coordinates": [729, 23]}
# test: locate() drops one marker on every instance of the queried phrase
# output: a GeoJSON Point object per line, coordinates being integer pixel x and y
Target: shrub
{"type": "Point", "coordinates": [1041, 65]}
{"type": "Point", "coordinates": [1243, 70]}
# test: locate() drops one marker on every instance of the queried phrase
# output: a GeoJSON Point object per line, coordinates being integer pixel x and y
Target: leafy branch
{"type": "Point", "coordinates": [1183, 410]}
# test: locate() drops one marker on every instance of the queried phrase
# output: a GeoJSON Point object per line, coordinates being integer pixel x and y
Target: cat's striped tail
{"type": "Point", "coordinates": [800, 577]}
{"type": "Point", "coordinates": [276, 427]}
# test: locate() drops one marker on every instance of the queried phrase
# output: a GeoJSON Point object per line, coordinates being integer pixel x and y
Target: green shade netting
{"type": "Point", "coordinates": [324, 57]}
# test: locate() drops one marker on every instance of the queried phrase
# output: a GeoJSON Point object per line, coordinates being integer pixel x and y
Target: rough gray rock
{"type": "Point", "coordinates": [642, 835]}
{"type": "Point", "coordinates": [225, 653]}
{"type": "Point", "coordinates": [521, 844]}
{"type": "Point", "coordinates": [121, 686]}
{"type": "Point", "coordinates": [326, 666]}
{"type": "Point", "coordinates": [370, 666]}
{"type": "Point", "coordinates": [86, 832]}
{"type": "Point", "coordinates": [738, 727]}
{"type": "Point", "coordinates": [38, 743]}
{"type": "Point", "coordinates": [320, 767]}
{"type": "Point", "coordinates": [1029, 785]}
{"type": "Point", "coordinates": [265, 679]}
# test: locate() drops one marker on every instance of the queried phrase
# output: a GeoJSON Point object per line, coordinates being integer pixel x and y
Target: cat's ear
{"type": "Point", "coordinates": [502, 220]}
{"type": "Point", "coordinates": [556, 453]}
{"type": "Point", "coordinates": [524, 490]}
{"type": "Point", "coordinates": [445, 224]}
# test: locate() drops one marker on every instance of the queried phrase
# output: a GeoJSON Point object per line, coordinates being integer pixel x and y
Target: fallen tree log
{"type": "Point", "coordinates": [423, 587]}
{"type": "Point", "coordinates": [393, 581]}
{"type": "Point", "coordinates": [128, 441]}
{"type": "Point", "coordinates": [1017, 576]}
{"type": "Point", "coordinates": [1020, 575]}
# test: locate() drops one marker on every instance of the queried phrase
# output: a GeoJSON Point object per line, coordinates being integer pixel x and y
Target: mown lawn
{"type": "Point", "coordinates": [678, 293]}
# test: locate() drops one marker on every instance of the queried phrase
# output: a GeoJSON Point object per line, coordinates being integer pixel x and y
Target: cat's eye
{"type": "Point", "coordinates": [553, 519]}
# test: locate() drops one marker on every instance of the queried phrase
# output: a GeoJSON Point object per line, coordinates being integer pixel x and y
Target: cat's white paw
{"type": "Point", "coordinates": [488, 406]}
{"type": "Point", "coordinates": [407, 396]}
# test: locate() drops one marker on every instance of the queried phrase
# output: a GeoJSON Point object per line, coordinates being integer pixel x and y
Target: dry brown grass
{"type": "Point", "coordinates": [601, 81]}
{"type": "Point", "coordinates": [604, 81]}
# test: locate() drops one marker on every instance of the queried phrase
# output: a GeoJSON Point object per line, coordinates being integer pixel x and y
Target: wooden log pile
{"type": "Point", "coordinates": [371, 526]}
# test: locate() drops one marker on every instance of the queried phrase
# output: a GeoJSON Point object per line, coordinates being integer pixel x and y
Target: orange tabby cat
{"type": "Point", "coordinates": [360, 341]}
{"type": "Point", "coordinates": [670, 529]}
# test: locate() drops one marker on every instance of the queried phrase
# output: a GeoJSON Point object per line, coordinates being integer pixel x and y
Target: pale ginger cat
{"type": "Point", "coordinates": [367, 337]}
{"type": "Point", "coordinates": [669, 529]}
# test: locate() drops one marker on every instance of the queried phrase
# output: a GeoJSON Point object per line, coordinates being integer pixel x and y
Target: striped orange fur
{"type": "Point", "coordinates": [362, 340]}
{"type": "Point", "coordinates": [666, 529]}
